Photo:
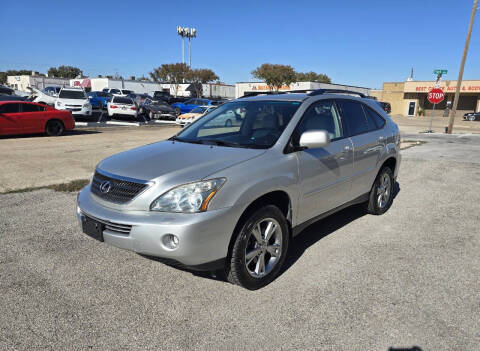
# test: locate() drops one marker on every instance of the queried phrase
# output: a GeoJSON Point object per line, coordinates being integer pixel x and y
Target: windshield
{"type": "Point", "coordinates": [199, 110]}
{"type": "Point", "coordinates": [72, 94]}
{"type": "Point", "coordinates": [251, 124]}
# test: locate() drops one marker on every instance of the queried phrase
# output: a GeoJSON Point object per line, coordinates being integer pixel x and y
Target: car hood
{"type": "Point", "coordinates": [173, 163]}
{"type": "Point", "coordinates": [189, 115]}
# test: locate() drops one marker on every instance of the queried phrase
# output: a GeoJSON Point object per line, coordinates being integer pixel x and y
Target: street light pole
{"type": "Point", "coordinates": [460, 73]}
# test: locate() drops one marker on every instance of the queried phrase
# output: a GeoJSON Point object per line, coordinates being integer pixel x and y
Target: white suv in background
{"type": "Point", "coordinates": [118, 92]}
{"type": "Point", "coordinates": [74, 100]}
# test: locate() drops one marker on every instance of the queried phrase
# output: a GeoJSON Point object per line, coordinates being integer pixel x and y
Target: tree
{"type": "Point", "coordinates": [275, 76]}
{"type": "Point", "coordinates": [312, 77]}
{"type": "Point", "coordinates": [3, 77]}
{"type": "Point", "coordinates": [65, 72]}
{"type": "Point", "coordinates": [200, 76]}
{"type": "Point", "coordinates": [173, 73]}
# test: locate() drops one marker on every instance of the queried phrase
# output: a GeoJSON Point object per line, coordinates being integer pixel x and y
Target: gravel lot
{"type": "Point", "coordinates": [353, 281]}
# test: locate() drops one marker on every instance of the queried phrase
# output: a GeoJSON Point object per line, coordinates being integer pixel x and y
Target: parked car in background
{"type": "Point", "coordinates": [6, 90]}
{"type": "Point", "coordinates": [139, 98]}
{"type": "Point", "coordinates": [117, 92]}
{"type": "Point", "coordinates": [99, 99]}
{"type": "Point", "coordinates": [13, 98]}
{"type": "Point", "coordinates": [472, 116]}
{"type": "Point", "coordinates": [121, 105]}
{"type": "Point", "coordinates": [163, 95]}
{"type": "Point", "coordinates": [385, 106]}
{"type": "Point", "coordinates": [22, 117]}
{"type": "Point", "coordinates": [189, 105]}
{"type": "Point", "coordinates": [74, 100]}
{"type": "Point", "coordinates": [40, 97]}
{"type": "Point", "coordinates": [52, 91]}
{"type": "Point", "coordinates": [232, 199]}
{"type": "Point", "coordinates": [193, 115]}
{"type": "Point", "coordinates": [157, 110]}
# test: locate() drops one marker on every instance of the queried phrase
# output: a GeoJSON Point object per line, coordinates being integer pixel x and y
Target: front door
{"type": "Point", "coordinates": [411, 108]}
{"type": "Point", "coordinates": [324, 172]}
{"type": "Point", "coordinates": [10, 119]}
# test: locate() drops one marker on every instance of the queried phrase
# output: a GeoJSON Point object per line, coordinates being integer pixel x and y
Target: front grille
{"type": "Point", "coordinates": [120, 191]}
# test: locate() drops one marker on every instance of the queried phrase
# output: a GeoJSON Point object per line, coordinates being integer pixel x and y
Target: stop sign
{"type": "Point", "coordinates": [435, 96]}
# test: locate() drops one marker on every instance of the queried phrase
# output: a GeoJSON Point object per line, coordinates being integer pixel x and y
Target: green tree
{"type": "Point", "coordinates": [201, 76]}
{"type": "Point", "coordinates": [65, 72]}
{"type": "Point", "coordinates": [3, 77]}
{"type": "Point", "coordinates": [173, 73]}
{"type": "Point", "coordinates": [312, 77]}
{"type": "Point", "coordinates": [275, 76]}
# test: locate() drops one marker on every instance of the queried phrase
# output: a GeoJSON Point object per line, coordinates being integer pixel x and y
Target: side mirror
{"type": "Point", "coordinates": [314, 139]}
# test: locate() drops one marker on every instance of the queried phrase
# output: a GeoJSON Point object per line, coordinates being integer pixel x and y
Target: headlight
{"type": "Point", "coordinates": [188, 198]}
{"type": "Point", "coordinates": [59, 104]}
{"type": "Point", "coordinates": [87, 105]}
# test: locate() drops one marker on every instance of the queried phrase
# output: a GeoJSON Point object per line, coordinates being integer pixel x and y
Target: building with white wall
{"type": "Point", "coordinates": [243, 88]}
{"type": "Point", "coordinates": [39, 82]}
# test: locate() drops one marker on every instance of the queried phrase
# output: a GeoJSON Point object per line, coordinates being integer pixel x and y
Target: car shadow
{"type": "Point", "coordinates": [305, 239]}
{"type": "Point", "coordinates": [413, 348]}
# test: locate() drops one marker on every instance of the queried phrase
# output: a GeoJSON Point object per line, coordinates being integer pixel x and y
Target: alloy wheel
{"type": "Point", "coordinates": [264, 247]}
{"type": "Point", "coordinates": [383, 191]}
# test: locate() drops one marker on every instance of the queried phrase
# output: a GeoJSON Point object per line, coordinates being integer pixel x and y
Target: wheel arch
{"type": "Point", "coordinates": [279, 198]}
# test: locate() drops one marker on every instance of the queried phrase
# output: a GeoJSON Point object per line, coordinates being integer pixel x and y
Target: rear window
{"type": "Point", "coordinates": [122, 100]}
{"type": "Point", "coordinates": [102, 94]}
{"type": "Point", "coordinates": [72, 94]}
{"type": "Point", "coordinates": [127, 92]}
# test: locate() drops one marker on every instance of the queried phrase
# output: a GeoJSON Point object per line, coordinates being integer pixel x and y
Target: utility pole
{"type": "Point", "coordinates": [460, 73]}
{"type": "Point", "coordinates": [189, 33]}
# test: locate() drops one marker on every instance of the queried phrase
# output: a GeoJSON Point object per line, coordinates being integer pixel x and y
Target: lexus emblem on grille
{"type": "Point", "coordinates": [105, 186]}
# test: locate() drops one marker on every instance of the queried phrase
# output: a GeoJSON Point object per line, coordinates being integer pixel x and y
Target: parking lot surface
{"type": "Point", "coordinates": [352, 282]}
{"type": "Point", "coordinates": [33, 161]}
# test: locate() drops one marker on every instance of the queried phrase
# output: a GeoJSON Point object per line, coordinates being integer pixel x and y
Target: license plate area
{"type": "Point", "coordinates": [93, 228]}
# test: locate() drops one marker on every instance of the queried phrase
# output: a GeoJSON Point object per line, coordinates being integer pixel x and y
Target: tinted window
{"type": "Point", "coordinates": [122, 100]}
{"type": "Point", "coordinates": [353, 118]}
{"type": "Point", "coordinates": [126, 92]}
{"type": "Point", "coordinates": [321, 115]}
{"type": "Point", "coordinates": [10, 108]}
{"type": "Point", "coordinates": [374, 119]}
{"type": "Point", "coordinates": [191, 102]}
{"type": "Point", "coordinates": [115, 91]}
{"type": "Point", "coordinates": [32, 108]}
{"type": "Point", "coordinates": [102, 94]}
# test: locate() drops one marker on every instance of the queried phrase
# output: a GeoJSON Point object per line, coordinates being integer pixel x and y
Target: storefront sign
{"type": "Point", "coordinates": [446, 86]}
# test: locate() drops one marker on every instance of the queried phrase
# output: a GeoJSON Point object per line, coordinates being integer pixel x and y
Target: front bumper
{"type": "Point", "coordinates": [203, 237]}
{"type": "Point", "coordinates": [81, 111]}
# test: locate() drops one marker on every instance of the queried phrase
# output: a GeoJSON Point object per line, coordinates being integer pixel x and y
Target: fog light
{"type": "Point", "coordinates": [170, 241]}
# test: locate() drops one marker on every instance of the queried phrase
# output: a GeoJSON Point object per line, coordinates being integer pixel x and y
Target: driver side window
{"type": "Point", "coordinates": [321, 115]}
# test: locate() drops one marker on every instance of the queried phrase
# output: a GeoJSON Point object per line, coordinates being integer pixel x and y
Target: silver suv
{"type": "Point", "coordinates": [231, 197]}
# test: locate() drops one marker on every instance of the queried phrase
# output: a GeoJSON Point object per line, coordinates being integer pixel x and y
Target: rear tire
{"type": "Point", "coordinates": [381, 195]}
{"type": "Point", "coordinates": [54, 128]}
{"type": "Point", "coordinates": [258, 253]}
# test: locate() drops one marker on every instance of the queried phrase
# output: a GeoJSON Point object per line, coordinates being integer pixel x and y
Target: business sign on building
{"type": "Point", "coordinates": [448, 86]}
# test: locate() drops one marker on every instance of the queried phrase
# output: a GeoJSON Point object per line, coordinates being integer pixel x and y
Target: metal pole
{"type": "Point", "coordinates": [183, 49]}
{"type": "Point", "coordinates": [431, 120]}
{"type": "Point", "coordinates": [460, 73]}
{"type": "Point", "coordinates": [189, 53]}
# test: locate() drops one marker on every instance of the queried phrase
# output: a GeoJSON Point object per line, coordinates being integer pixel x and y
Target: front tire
{"type": "Point", "coordinates": [177, 111]}
{"type": "Point", "coordinates": [54, 128]}
{"type": "Point", "coordinates": [260, 249]}
{"type": "Point", "coordinates": [381, 195]}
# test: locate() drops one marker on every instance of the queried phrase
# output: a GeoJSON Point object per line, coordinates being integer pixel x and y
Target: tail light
{"type": "Point", "coordinates": [113, 106]}
{"type": "Point", "coordinates": [133, 108]}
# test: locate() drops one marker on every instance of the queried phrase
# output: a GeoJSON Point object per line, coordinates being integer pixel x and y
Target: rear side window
{"type": "Point", "coordinates": [353, 117]}
{"type": "Point", "coordinates": [10, 108]}
{"type": "Point", "coordinates": [32, 108]}
{"type": "Point", "coordinates": [374, 119]}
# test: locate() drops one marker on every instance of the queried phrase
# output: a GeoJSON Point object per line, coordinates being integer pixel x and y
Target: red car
{"type": "Point", "coordinates": [22, 117]}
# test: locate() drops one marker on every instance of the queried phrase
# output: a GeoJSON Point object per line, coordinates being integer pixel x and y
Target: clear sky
{"type": "Point", "coordinates": [354, 42]}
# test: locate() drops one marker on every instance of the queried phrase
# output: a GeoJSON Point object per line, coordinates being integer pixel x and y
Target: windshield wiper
{"type": "Point", "coordinates": [222, 143]}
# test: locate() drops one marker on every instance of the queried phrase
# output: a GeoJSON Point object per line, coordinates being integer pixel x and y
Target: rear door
{"type": "Point", "coordinates": [9, 119]}
{"type": "Point", "coordinates": [324, 172]}
{"type": "Point", "coordinates": [368, 144]}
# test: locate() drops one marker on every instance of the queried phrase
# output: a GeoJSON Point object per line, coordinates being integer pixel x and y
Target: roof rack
{"type": "Point", "coordinates": [310, 92]}
{"type": "Point", "coordinates": [341, 91]}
